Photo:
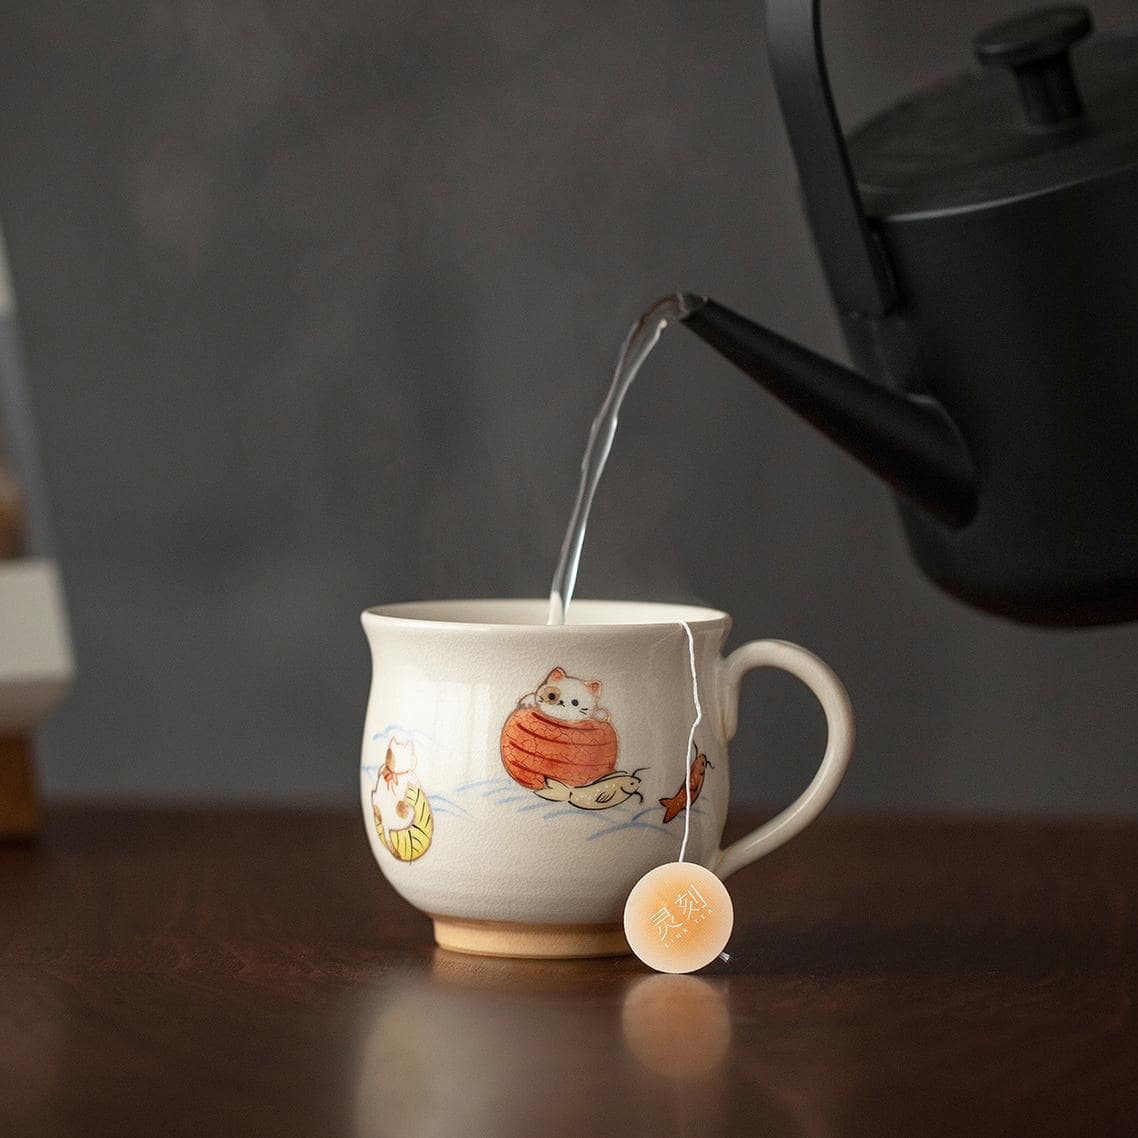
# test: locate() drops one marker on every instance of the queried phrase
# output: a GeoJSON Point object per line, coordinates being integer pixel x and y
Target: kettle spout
{"type": "Point", "coordinates": [908, 440]}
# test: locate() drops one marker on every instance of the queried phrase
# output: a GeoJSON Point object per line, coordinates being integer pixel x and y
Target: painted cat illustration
{"type": "Point", "coordinates": [560, 732]}
{"type": "Point", "coordinates": [567, 698]}
{"type": "Point", "coordinates": [390, 797]}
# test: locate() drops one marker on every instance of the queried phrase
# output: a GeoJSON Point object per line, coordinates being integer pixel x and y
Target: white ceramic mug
{"type": "Point", "coordinates": [517, 779]}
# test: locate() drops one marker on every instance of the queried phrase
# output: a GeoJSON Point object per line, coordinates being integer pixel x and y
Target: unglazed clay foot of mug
{"type": "Point", "coordinates": [507, 938]}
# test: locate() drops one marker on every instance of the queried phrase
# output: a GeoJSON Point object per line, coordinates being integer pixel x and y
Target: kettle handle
{"type": "Point", "coordinates": [854, 262]}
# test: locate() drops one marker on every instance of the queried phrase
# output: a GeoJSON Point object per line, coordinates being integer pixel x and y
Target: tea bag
{"type": "Point", "coordinates": [679, 916]}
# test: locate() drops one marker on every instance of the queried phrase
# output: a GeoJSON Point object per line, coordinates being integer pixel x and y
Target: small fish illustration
{"type": "Point", "coordinates": [678, 803]}
{"type": "Point", "coordinates": [600, 794]}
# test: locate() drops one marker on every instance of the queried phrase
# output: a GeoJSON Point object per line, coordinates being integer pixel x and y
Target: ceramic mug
{"type": "Point", "coordinates": [518, 778]}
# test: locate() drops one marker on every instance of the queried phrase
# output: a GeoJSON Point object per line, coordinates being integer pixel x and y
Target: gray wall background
{"type": "Point", "coordinates": [319, 300]}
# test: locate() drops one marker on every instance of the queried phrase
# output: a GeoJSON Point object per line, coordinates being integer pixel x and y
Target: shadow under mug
{"type": "Point", "coordinates": [518, 778]}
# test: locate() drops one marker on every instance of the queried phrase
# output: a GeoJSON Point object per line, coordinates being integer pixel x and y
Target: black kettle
{"type": "Point", "coordinates": [980, 240]}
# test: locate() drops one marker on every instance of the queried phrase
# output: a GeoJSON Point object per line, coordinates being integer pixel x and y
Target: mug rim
{"type": "Point", "coordinates": [446, 614]}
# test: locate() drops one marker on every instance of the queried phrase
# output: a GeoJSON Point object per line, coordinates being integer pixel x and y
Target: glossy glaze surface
{"type": "Point", "coordinates": [532, 774]}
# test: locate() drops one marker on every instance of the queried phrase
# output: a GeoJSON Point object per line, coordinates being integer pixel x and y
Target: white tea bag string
{"type": "Point", "coordinates": [691, 738]}
{"type": "Point", "coordinates": [724, 956]}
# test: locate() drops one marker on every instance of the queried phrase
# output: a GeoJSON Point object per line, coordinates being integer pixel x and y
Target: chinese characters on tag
{"type": "Point", "coordinates": [674, 922]}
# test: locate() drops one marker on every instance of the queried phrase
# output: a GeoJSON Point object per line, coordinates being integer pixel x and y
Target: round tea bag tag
{"type": "Point", "coordinates": [678, 917]}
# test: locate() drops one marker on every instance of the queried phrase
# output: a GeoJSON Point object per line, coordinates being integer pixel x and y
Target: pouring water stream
{"type": "Point", "coordinates": [641, 339]}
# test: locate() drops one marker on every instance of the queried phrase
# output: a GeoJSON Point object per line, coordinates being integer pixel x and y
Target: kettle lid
{"type": "Point", "coordinates": [988, 137]}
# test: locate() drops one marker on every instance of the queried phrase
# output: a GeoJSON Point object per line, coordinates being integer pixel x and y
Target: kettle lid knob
{"type": "Point", "coordinates": [1036, 47]}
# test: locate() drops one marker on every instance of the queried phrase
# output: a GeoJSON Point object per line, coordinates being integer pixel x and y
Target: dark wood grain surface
{"type": "Point", "coordinates": [249, 972]}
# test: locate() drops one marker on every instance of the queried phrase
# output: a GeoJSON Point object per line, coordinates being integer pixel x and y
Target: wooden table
{"type": "Point", "coordinates": [249, 973]}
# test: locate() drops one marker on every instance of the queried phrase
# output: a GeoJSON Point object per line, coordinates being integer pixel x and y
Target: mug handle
{"type": "Point", "coordinates": [830, 693]}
